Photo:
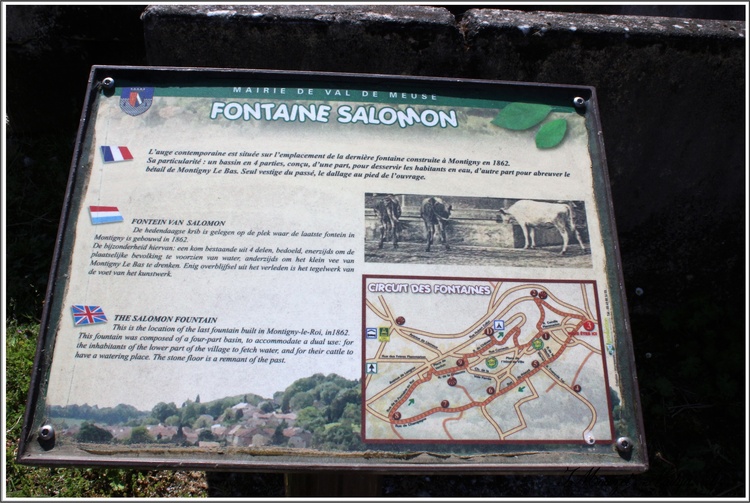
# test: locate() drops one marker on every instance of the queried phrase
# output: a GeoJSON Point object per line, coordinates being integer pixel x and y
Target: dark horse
{"type": "Point", "coordinates": [435, 212]}
{"type": "Point", "coordinates": [389, 210]}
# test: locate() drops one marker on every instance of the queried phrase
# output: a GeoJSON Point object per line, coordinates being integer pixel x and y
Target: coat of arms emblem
{"type": "Point", "coordinates": [136, 100]}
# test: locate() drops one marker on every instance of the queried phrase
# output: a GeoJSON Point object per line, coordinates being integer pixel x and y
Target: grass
{"type": "Point", "coordinates": [29, 482]}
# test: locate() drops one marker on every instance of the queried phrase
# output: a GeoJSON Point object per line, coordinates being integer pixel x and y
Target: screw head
{"type": "Point", "coordinates": [624, 444]}
{"type": "Point", "coordinates": [579, 102]}
{"type": "Point", "coordinates": [108, 83]}
{"type": "Point", "coordinates": [46, 432]}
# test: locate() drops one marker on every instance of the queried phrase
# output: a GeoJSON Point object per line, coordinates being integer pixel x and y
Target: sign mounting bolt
{"type": "Point", "coordinates": [579, 102]}
{"type": "Point", "coordinates": [624, 444]}
{"type": "Point", "coordinates": [108, 83]}
{"type": "Point", "coordinates": [46, 432]}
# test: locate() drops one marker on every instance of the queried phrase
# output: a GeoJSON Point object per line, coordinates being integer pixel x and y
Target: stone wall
{"type": "Point", "coordinates": [49, 53]}
{"type": "Point", "coordinates": [671, 94]}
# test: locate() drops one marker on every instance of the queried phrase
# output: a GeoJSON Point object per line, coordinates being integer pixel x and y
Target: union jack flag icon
{"type": "Point", "coordinates": [88, 315]}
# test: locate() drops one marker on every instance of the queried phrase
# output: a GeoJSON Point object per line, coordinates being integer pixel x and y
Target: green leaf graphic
{"type": "Point", "coordinates": [520, 116]}
{"type": "Point", "coordinates": [551, 133]}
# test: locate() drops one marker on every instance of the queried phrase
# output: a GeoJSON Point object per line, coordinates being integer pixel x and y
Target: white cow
{"type": "Point", "coordinates": [530, 214]}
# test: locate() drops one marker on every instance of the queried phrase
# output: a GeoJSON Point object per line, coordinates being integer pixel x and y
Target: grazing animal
{"type": "Point", "coordinates": [389, 211]}
{"type": "Point", "coordinates": [530, 214]}
{"type": "Point", "coordinates": [435, 212]}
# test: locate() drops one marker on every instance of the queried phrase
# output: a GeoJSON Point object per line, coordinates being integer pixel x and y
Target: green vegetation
{"type": "Point", "coordinates": [329, 408]}
{"type": "Point", "coordinates": [139, 435]}
{"type": "Point", "coordinates": [120, 414]}
{"type": "Point", "coordinates": [34, 482]}
{"type": "Point", "coordinates": [92, 433]}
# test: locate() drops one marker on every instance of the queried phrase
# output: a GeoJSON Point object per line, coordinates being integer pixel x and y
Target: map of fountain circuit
{"type": "Point", "coordinates": [461, 360]}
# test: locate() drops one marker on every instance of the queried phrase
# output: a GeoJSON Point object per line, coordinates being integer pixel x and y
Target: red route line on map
{"type": "Point", "coordinates": [395, 431]}
{"type": "Point", "coordinates": [472, 404]}
{"type": "Point", "coordinates": [515, 331]}
{"type": "Point", "coordinates": [557, 311]}
{"type": "Point", "coordinates": [540, 304]}
{"type": "Point", "coordinates": [575, 377]}
{"type": "Point", "coordinates": [445, 422]}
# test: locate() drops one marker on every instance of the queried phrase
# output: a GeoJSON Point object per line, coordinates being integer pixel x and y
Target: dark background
{"type": "Point", "coordinates": [688, 314]}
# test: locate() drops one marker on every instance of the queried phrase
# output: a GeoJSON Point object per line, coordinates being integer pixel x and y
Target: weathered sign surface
{"type": "Point", "coordinates": [286, 271]}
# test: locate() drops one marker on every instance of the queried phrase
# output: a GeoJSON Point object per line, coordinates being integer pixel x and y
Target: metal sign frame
{"type": "Point", "coordinates": [544, 125]}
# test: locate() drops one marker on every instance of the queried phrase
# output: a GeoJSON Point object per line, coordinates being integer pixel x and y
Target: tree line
{"type": "Point", "coordinates": [327, 406]}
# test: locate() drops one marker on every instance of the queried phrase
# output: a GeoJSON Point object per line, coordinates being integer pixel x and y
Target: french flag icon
{"type": "Point", "coordinates": [116, 154]}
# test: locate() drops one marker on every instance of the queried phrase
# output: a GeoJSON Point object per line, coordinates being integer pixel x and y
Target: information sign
{"type": "Point", "coordinates": [294, 271]}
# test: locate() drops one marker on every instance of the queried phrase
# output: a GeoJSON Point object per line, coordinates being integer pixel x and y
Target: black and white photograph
{"type": "Point", "coordinates": [460, 230]}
